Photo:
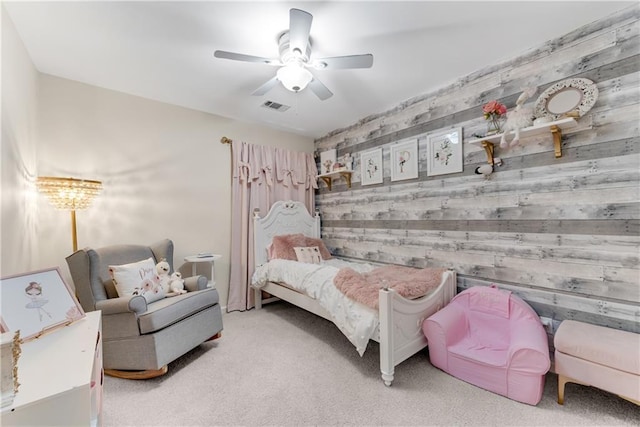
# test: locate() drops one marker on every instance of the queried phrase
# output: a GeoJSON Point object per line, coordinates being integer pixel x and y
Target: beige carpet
{"type": "Point", "coordinates": [282, 366]}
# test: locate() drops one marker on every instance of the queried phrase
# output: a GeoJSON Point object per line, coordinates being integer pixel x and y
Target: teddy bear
{"type": "Point", "coordinates": [176, 285]}
{"type": "Point", "coordinates": [519, 118]}
{"type": "Point", "coordinates": [162, 271]}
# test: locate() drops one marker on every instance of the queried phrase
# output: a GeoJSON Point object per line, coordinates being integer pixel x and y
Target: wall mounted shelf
{"type": "Point", "coordinates": [489, 143]}
{"type": "Point", "coordinates": [329, 177]}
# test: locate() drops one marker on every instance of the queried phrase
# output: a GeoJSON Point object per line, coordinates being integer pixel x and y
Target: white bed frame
{"type": "Point", "coordinates": [400, 320]}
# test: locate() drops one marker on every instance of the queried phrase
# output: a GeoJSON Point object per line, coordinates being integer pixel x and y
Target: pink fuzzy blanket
{"type": "Point", "coordinates": [407, 281]}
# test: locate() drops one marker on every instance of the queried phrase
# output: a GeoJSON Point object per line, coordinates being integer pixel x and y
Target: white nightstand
{"type": "Point", "coordinates": [195, 259]}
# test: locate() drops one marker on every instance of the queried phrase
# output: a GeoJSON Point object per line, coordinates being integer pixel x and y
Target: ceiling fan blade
{"type": "Point", "coordinates": [350, 61]}
{"type": "Point", "coordinates": [299, 30]}
{"type": "Point", "coordinates": [246, 58]}
{"type": "Point", "coordinates": [320, 89]}
{"type": "Point", "coordinates": [265, 87]}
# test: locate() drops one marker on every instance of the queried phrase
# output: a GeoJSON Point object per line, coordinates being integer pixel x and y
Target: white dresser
{"type": "Point", "coordinates": [60, 376]}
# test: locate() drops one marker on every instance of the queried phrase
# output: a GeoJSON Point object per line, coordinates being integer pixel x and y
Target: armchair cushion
{"type": "Point", "coordinates": [168, 311]}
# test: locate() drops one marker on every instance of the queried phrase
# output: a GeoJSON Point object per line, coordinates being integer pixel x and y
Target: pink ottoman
{"type": "Point", "coordinates": [606, 358]}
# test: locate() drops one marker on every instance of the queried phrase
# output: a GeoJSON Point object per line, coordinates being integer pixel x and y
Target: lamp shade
{"type": "Point", "coordinates": [294, 76]}
{"type": "Point", "coordinates": [69, 193]}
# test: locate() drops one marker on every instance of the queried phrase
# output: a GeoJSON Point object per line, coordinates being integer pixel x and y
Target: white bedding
{"type": "Point", "coordinates": [356, 321]}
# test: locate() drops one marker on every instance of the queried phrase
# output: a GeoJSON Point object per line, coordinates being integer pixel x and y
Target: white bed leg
{"type": "Point", "coordinates": [258, 298]}
{"type": "Point", "coordinates": [387, 365]}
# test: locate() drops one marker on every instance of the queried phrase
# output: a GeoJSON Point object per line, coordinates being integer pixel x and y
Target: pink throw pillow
{"type": "Point", "coordinates": [282, 247]}
{"type": "Point", "coordinates": [324, 252]}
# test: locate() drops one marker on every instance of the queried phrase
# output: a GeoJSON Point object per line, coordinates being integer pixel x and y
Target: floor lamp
{"type": "Point", "coordinates": [69, 194]}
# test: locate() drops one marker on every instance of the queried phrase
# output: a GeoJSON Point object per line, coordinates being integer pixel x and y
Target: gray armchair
{"type": "Point", "coordinates": [140, 338]}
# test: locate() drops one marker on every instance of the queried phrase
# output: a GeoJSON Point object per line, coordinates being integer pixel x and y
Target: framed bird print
{"type": "Point", "coordinates": [404, 160]}
{"type": "Point", "coordinates": [444, 152]}
{"type": "Point", "coordinates": [371, 167]}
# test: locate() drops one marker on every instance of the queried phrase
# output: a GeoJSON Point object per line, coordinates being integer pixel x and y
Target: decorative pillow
{"type": "Point", "coordinates": [138, 278]}
{"type": "Point", "coordinates": [310, 255]}
{"type": "Point", "coordinates": [282, 247]}
{"type": "Point", "coordinates": [324, 252]}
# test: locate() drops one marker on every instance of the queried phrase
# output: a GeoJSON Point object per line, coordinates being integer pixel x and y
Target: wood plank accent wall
{"type": "Point", "coordinates": [564, 234]}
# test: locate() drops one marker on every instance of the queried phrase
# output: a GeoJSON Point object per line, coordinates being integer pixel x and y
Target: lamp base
{"type": "Point", "coordinates": [74, 232]}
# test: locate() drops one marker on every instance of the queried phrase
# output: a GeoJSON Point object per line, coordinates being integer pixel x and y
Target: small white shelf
{"type": "Point", "coordinates": [555, 128]}
{"type": "Point", "coordinates": [329, 177]}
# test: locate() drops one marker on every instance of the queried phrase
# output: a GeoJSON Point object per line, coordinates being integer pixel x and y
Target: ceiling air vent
{"type": "Point", "coordinates": [276, 106]}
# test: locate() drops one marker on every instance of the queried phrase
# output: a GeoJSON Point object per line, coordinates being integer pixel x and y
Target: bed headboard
{"type": "Point", "coordinates": [284, 218]}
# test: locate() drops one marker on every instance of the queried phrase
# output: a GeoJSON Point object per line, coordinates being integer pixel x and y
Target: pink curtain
{"type": "Point", "coordinates": [261, 176]}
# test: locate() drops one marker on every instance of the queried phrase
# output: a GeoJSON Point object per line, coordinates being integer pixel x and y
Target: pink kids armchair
{"type": "Point", "coordinates": [492, 339]}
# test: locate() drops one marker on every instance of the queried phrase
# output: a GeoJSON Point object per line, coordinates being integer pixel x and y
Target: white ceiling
{"type": "Point", "coordinates": [164, 50]}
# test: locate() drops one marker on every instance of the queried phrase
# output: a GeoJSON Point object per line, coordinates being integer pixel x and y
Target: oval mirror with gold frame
{"type": "Point", "coordinates": [571, 97]}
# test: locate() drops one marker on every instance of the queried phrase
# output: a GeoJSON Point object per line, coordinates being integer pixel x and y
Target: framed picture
{"type": "Point", "coordinates": [404, 160]}
{"type": "Point", "coordinates": [371, 167]}
{"type": "Point", "coordinates": [444, 152]}
{"type": "Point", "coordinates": [36, 302]}
{"type": "Point", "coordinates": [327, 161]}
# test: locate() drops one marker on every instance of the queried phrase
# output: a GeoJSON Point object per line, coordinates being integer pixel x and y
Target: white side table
{"type": "Point", "coordinates": [210, 258]}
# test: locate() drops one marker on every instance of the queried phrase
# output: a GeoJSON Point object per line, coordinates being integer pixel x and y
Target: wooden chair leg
{"type": "Point", "coordinates": [562, 380]}
{"type": "Point", "coordinates": [215, 337]}
{"type": "Point", "coordinates": [137, 375]}
{"type": "Point", "coordinates": [637, 402]}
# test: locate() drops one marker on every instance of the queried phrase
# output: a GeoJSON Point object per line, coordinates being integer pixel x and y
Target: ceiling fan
{"type": "Point", "coordinates": [295, 59]}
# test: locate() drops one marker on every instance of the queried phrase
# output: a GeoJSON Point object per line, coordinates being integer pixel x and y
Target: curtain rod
{"type": "Point", "coordinates": [225, 140]}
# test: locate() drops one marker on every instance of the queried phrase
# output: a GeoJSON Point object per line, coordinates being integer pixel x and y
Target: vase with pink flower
{"type": "Point", "coordinates": [495, 114]}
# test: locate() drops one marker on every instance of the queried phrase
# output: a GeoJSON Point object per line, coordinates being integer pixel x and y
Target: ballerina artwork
{"type": "Point", "coordinates": [37, 300]}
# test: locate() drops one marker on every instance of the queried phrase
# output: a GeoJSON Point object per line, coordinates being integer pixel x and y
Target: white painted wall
{"type": "Point", "coordinates": [164, 171]}
{"type": "Point", "coordinates": [18, 231]}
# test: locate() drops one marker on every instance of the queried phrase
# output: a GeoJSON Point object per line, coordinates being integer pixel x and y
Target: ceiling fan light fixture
{"type": "Point", "coordinates": [294, 77]}
{"type": "Point", "coordinates": [294, 46]}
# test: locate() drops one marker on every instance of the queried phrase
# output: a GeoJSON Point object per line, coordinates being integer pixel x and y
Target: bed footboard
{"type": "Point", "coordinates": [401, 323]}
